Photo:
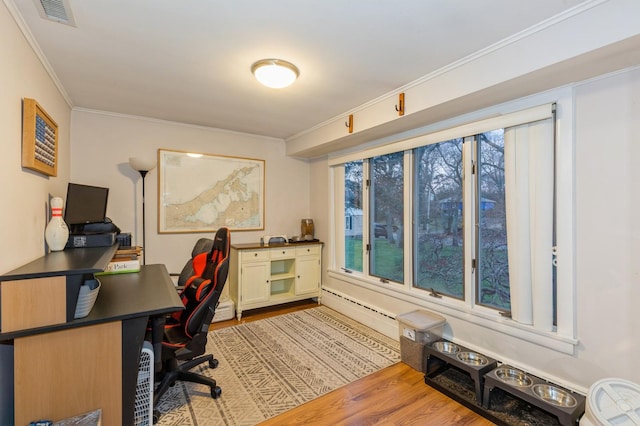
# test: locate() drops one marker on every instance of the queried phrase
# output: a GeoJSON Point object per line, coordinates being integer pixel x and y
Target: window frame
{"type": "Point", "coordinates": [369, 194]}
{"type": "Point", "coordinates": [562, 337]}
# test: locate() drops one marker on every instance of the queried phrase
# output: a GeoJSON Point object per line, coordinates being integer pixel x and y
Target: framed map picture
{"type": "Point", "coordinates": [202, 192]}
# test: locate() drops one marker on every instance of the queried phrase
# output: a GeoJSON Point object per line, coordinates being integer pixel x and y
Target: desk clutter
{"type": "Point", "coordinates": [125, 260]}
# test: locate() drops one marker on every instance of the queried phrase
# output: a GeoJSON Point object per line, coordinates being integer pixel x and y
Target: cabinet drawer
{"type": "Point", "coordinates": [254, 255]}
{"type": "Point", "coordinates": [283, 253]}
{"type": "Point", "coordinates": [308, 251]}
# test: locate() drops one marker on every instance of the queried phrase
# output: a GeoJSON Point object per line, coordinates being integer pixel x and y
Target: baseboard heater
{"type": "Point", "coordinates": [365, 313]}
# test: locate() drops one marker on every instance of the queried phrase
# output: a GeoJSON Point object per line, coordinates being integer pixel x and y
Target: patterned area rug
{"type": "Point", "coordinates": [273, 365]}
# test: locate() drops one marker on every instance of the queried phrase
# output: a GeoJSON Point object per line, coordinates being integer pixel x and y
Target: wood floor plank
{"type": "Point", "coordinates": [396, 395]}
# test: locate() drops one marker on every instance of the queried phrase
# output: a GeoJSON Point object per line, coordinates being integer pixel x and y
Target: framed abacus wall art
{"type": "Point", "coordinates": [39, 139]}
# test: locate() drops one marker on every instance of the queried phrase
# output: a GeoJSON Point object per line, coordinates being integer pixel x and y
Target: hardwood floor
{"type": "Point", "coordinates": [396, 395]}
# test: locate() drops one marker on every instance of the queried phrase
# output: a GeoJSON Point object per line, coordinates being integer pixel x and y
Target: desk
{"type": "Point", "coordinates": [72, 366]}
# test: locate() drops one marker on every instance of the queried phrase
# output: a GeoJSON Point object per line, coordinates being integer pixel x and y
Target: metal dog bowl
{"type": "Point", "coordinates": [513, 377]}
{"type": "Point", "coordinates": [446, 347]}
{"type": "Point", "coordinates": [472, 358]}
{"type": "Point", "coordinates": [554, 395]}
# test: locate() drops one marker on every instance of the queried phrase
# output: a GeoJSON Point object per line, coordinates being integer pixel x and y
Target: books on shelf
{"type": "Point", "coordinates": [122, 266]}
{"type": "Point", "coordinates": [125, 260]}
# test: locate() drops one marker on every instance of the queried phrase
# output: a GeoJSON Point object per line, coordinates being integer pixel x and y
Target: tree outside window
{"type": "Point", "coordinates": [438, 237]}
{"type": "Point", "coordinates": [386, 256]}
{"type": "Point", "coordinates": [493, 275]}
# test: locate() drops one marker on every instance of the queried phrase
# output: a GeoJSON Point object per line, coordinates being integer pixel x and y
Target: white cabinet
{"type": "Point", "coordinates": [263, 276]}
{"type": "Point", "coordinates": [256, 277]}
{"type": "Point", "coordinates": [307, 270]}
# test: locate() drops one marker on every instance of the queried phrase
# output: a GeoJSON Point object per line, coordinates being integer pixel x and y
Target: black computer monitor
{"type": "Point", "coordinates": [85, 204]}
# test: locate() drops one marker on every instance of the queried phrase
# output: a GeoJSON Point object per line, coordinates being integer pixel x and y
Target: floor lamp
{"type": "Point", "coordinates": [142, 166]}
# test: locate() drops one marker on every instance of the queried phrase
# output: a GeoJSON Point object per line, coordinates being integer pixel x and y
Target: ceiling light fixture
{"type": "Point", "coordinates": [275, 73]}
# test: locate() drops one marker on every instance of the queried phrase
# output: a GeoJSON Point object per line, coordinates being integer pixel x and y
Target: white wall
{"type": "Point", "coordinates": [25, 194]}
{"type": "Point", "coordinates": [607, 146]}
{"type": "Point", "coordinates": [607, 230]}
{"type": "Point", "coordinates": [102, 144]}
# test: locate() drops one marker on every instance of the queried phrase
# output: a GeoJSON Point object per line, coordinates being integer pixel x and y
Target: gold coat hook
{"type": "Point", "coordinates": [349, 124]}
{"type": "Point", "coordinates": [400, 104]}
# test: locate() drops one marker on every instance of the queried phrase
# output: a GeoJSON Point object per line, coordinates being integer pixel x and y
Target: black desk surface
{"type": "Point", "coordinates": [123, 296]}
{"type": "Point", "coordinates": [148, 292]}
{"type": "Point", "coordinates": [65, 262]}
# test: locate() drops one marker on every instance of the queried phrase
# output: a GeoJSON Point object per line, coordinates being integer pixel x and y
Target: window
{"type": "Point", "coordinates": [353, 215]}
{"type": "Point", "coordinates": [492, 254]}
{"type": "Point", "coordinates": [468, 214]}
{"type": "Point", "coordinates": [386, 259]}
{"type": "Point", "coordinates": [440, 204]}
{"type": "Point", "coordinates": [437, 234]}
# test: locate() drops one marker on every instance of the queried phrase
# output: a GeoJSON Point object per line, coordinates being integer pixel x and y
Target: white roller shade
{"type": "Point", "coordinates": [529, 175]}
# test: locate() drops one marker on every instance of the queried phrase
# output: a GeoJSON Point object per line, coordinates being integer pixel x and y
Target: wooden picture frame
{"type": "Point", "coordinates": [39, 139]}
{"type": "Point", "coordinates": [203, 192]}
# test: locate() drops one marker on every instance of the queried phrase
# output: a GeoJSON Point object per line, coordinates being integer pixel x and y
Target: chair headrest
{"type": "Point", "coordinates": [221, 240]}
{"type": "Point", "coordinates": [203, 245]}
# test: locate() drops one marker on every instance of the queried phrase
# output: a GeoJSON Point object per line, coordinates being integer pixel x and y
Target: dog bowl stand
{"type": "Point", "coordinates": [567, 416]}
{"type": "Point", "coordinates": [476, 372]}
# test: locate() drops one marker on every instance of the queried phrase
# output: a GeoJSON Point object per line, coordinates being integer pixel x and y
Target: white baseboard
{"type": "Point", "coordinates": [372, 316]}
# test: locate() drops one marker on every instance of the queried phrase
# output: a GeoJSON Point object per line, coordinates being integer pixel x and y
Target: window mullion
{"type": "Point", "coordinates": [408, 219]}
{"type": "Point", "coordinates": [470, 220]}
{"type": "Point", "coordinates": [366, 232]}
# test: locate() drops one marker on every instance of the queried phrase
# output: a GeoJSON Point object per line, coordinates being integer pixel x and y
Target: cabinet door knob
{"type": "Point", "coordinates": [283, 252]}
{"type": "Point", "coordinates": [255, 254]}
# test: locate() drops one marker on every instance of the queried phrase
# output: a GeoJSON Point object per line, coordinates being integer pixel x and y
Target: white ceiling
{"type": "Point", "coordinates": [188, 60]}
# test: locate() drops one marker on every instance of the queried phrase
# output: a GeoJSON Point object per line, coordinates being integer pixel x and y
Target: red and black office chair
{"type": "Point", "coordinates": [185, 332]}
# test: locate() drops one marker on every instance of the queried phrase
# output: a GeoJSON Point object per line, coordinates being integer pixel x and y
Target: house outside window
{"type": "Point", "coordinates": [353, 186]}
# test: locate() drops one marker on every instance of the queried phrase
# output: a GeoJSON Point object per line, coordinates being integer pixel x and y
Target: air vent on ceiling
{"type": "Point", "coordinates": [56, 10]}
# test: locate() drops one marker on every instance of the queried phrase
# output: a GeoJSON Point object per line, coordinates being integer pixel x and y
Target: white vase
{"type": "Point", "coordinates": [57, 233]}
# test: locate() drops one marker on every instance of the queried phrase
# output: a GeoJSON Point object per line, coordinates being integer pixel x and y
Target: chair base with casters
{"type": "Point", "coordinates": [173, 371]}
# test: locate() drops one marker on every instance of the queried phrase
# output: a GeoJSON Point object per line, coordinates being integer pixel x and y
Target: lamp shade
{"type": "Point", "coordinates": [142, 164]}
{"type": "Point", "coordinates": [275, 73]}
